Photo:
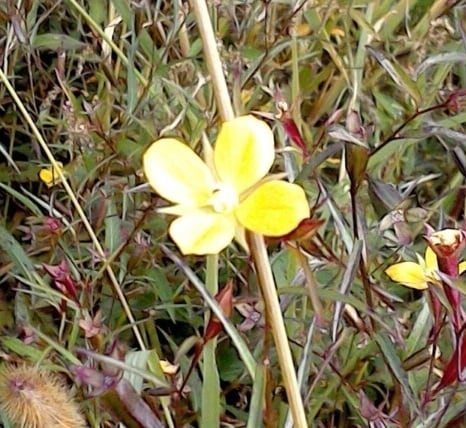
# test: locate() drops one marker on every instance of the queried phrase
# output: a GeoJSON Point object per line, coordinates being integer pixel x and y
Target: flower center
{"type": "Point", "coordinates": [224, 199]}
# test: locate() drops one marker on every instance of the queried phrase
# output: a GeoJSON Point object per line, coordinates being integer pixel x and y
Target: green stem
{"type": "Point", "coordinates": [210, 412]}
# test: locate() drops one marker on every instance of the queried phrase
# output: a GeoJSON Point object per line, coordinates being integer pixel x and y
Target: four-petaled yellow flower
{"type": "Point", "coordinates": [217, 201]}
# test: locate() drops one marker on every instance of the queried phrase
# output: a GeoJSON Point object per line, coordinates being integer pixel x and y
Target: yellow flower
{"type": "Point", "coordinates": [418, 275]}
{"type": "Point", "coordinates": [447, 242]}
{"type": "Point", "coordinates": [415, 275]}
{"type": "Point", "coordinates": [217, 201]}
{"type": "Point", "coordinates": [50, 175]}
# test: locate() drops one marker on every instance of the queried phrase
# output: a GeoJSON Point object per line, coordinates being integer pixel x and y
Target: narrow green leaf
{"type": "Point", "coordinates": [138, 359]}
{"type": "Point", "coordinates": [112, 227]}
{"type": "Point", "coordinates": [419, 331]}
{"type": "Point", "coordinates": [210, 408]}
{"type": "Point", "coordinates": [56, 42]}
{"type": "Point", "coordinates": [340, 221]}
{"type": "Point", "coordinates": [398, 75]}
{"type": "Point", "coordinates": [97, 11]}
{"type": "Point", "coordinates": [347, 280]}
{"type": "Point", "coordinates": [124, 10]}
{"type": "Point", "coordinates": [17, 346]}
{"type": "Point", "coordinates": [22, 264]}
{"type": "Point", "coordinates": [444, 57]}
{"type": "Point", "coordinates": [20, 197]}
{"type": "Point", "coordinates": [393, 360]}
{"type": "Point", "coordinates": [257, 399]}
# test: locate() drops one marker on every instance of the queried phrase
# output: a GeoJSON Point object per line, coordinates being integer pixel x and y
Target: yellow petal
{"type": "Point", "coordinates": [431, 259]}
{"type": "Point", "coordinates": [274, 208]}
{"type": "Point", "coordinates": [202, 232]}
{"type": "Point", "coordinates": [240, 237]}
{"type": "Point", "coordinates": [178, 210]}
{"type": "Point", "coordinates": [168, 368]}
{"type": "Point", "coordinates": [244, 152]}
{"type": "Point", "coordinates": [177, 174]}
{"type": "Point", "coordinates": [445, 237]}
{"type": "Point", "coordinates": [50, 175]}
{"type": "Point", "coordinates": [462, 267]}
{"type": "Point", "coordinates": [408, 273]}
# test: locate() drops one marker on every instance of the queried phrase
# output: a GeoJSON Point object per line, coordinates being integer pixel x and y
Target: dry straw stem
{"type": "Point", "coordinates": [258, 249]}
{"type": "Point", "coordinates": [35, 398]}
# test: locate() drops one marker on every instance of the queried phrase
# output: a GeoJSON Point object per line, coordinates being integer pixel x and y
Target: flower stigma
{"type": "Point", "coordinates": [224, 199]}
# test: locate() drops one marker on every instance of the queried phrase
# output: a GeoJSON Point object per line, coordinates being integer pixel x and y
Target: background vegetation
{"type": "Point", "coordinates": [375, 90]}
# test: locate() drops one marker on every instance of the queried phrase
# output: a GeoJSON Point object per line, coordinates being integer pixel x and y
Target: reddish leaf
{"type": "Point", "coordinates": [118, 396]}
{"type": "Point", "coordinates": [453, 101]}
{"type": "Point", "coordinates": [436, 307]}
{"type": "Point", "coordinates": [286, 119]}
{"type": "Point", "coordinates": [303, 232]}
{"type": "Point", "coordinates": [293, 133]}
{"type": "Point", "coordinates": [454, 298]}
{"type": "Point", "coordinates": [454, 368]}
{"type": "Point", "coordinates": [62, 280]}
{"type": "Point", "coordinates": [225, 301]}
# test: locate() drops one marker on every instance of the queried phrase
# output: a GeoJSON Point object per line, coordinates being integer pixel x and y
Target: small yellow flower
{"type": "Point", "coordinates": [217, 201]}
{"type": "Point", "coordinates": [50, 175]}
{"type": "Point", "coordinates": [415, 275]}
{"type": "Point", "coordinates": [169, 368]}
{"type": "Point", "coordinates": [447, 242]}
{"type": "Point", "coordinates": [418, 275]}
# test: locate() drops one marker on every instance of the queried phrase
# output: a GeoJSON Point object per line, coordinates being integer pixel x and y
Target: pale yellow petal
{"type": "Point", "coordinates": [168, 368]}
{"type": "Point", "coordinates": [177, 174]}
{"type": "Point", "coordinates": [445, 237]}
{"type": "Point", "coordinates": [462, 267]}
{"type": "Point", "coordinates": [430, 259]}
{"type": "Point", "coordinates": [244, 152]}
{"type": "Point", "coordinates": [177, 210]}
{"type": "Point", "coordinates": [408, 273]}
{"type": "Point", "coordinates": [274, 208]}
{"type": "Point", "coordinates": [202, 232]}
{"type": "Point", "coordinates": [240, 237]}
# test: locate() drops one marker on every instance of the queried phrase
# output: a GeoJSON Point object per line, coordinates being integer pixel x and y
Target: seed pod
{"type": "Point", "coordinates": [34, 398]}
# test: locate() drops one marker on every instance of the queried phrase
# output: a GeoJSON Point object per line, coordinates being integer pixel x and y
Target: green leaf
{"type": "Point", "coordinates": [393, 360]}
{"type": "Point", "coordinates": [229, 366]}
{"type": "Point", "coordinates": [56, 42]}
{"type": "Point", "coordinates": [137, 359]}
{"type": "Point", "coordinates": [112, 227]}
{"type": "Point", "coordinates": [420, 330]}
{"type": "Point", "coordinates": [255, 418]}
{"type": "Point", "coordinates": [18, 347]}
{"type": "Point", "coordinates": [124, 10]}
{"type": "Point", "coordinates": [20, 197]}
{"type": "Point", "coordinates": [97, 11]}
{"type": "Point", "coordinates": [22, 264]}
{"type": "Point", "coordinates": [210, 407]}
{"type": "Point", "coordinates": [398, 75]}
